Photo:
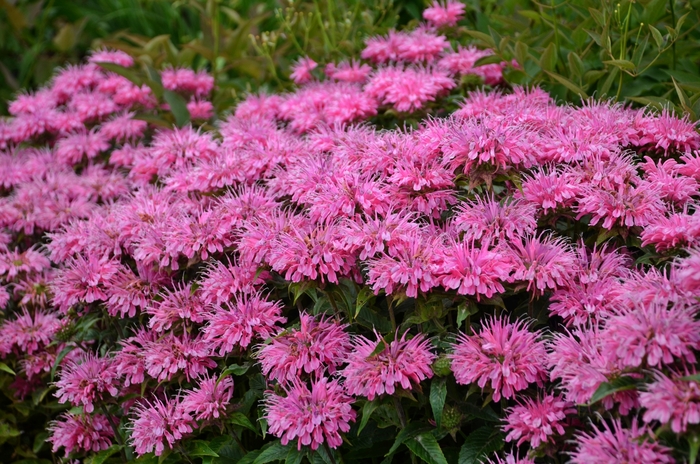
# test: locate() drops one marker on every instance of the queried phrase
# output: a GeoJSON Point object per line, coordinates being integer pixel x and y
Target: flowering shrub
{"type": "Point", "coordinates": [515, 281]}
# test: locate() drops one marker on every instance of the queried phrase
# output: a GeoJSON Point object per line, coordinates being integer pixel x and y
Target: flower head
{"type": "Point", "coordinates": [537, 421]}
{"type": "Point", "coordinates": [80, 432]}
{"type": "Point", "coordinates": [86, 380]}
{"type": "Point", "coordinates": [209, 400]}
{"type": "Point", "coordinates": [158, 423]}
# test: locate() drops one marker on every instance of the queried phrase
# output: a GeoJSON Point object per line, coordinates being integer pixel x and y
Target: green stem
{"type": "Point", "coordinates": [117, 434]}
{"type": "Point", "coordinates": [694, 442]}
{"type": "Point", "coordinates": [391, 314]}
{"type": "Point", "coordinates": [673, 21]}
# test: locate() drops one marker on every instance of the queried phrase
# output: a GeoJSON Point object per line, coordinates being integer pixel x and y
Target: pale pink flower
{"type": "Point", "coordinates": [462, 62]}
{"type": "Point", "coordinates": [668, 133]}
{"type": "Point", "coordinates": [129, 292]}
{"type": "Point", "coordinates": [311, 417]}
{"type": "Point", "coordinates": [444, 14]}
{"type": "Point", "coordinates": [625, 206]}
{"type": "Point", "coordinates": [419, 45]}
{"type": "Point", "coordinates": [374, 234]}
{"type": "Point", "coordinates": [86, 381]}
{"type": "Point", "coordinates": [550, 188]}
{"type": "Point", "coordinates": [130, 362]}
{"type": "Point", "coordinates": [187, 81]}
{"type": "Point", "coordinates": [92, 106]}
{"type": "Point", "coordinates": [83, 281]}
{"type": "Point", "coordinates": [537, 421]}
{"type": "Point", "coordinates": [686, 273]}
{"type": "Point", "coordinates": [505, 356]}
{"type": "Point", "coordinates": [80, 432]}
{"type": "Point", "coordinates": [236, 323]}
{"type": "Point", "coordinates": [157, 424]}
{"type": "Point", "coordinates": [402, 363]}
{"type": "Point", "coordinates": [673, 231]}
{"type": "Point", "coordinates": [672, 186]}
{"type": "Point", "coordinates": [222, 281]}
{"type": "Point", "coordinates": [123, 128]}
{"type": "Point", "coordinates": [318, 345]}
{"type": "Point", "coordinates": [209, 399]}
{"type": "Point", "coordinates": [615, 444]}
{"type": "Point", "coordinates": [651, 334]}
{"type": "Point", "coordinates": [301, 71]}
{"type": "Point", "coordinates": [13, 263]}
{"type": "Point", "coordinates": [259, 106]}
{"type": "Point", "coordinates": [673, 400]}
{"type": "Point", "coordinates": [200, 109]}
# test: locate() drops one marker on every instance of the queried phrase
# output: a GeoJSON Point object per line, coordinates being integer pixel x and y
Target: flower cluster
{"type": "Point", "coordinates": [541, 255]}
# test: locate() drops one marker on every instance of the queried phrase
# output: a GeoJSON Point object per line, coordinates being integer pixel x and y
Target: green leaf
{"type": "Point", "coordinates": [238, 418]}
{"type": "Point", "coordinates": [367, 411]}
{"type": "Point", "coordinates": [568, 84]}
{"type": "Point", "coordinates": [485, 38]}
{"type": "Point", "coordinates": [363, 297]}
{"type": "Point", "coordinates": [103, 455]}
{"type": "Point", "coordinates": [122, 71]}
{"type": "Point", "coordinates": [234, 369]}
{"type": "Point", "coordinates": [479, 444]}
{"type": "Point", "coordinates": [625, 65]}
{"type": "Point", "coordinates": [575, 65]}
{"type": "Point", "coordinates": [39, 441]}
{"type": "Point", "coordinates": [178, 106]}
{"type": "Point", "coordinates": [426, 447]}
{"type": "Point", "coordinates": [275, 452]}
{"type": "Point", "coordinates": [294, 456]}
{"type": "Point", "coordinates": [691, 378]}
{"type": "Point", "coordinates": [438, 395]}
{"type": "Point", "coordinates": [658, 38]}
{"type": "Point", "coordinates": [64, 352]}
{"type": "Point", "coordinates": [200, 448]}
{"type": "Point", "coordinates": [465, 310]}
{"type": "Point", "coordinates": [489, 59]}
{"type": "Point", "coordinates": [410, 431]}
{"type": "Point", "coordinates": [608, 388]}
{"type": "Point", "coordinates": [548, 60]}
{"type": "Point", "coordinates": [4, 367]}
{"type": "Point", "coordinates": [301, 288]}
{"type": "Point", "coordinates": [521, 52]}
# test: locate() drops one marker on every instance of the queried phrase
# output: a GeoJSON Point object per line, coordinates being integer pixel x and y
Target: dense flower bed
{"type": "Point", "coordinates": [516, 274]}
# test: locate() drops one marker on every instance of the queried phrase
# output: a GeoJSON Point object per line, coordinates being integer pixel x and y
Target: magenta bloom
{"type": "Point", "coordinates": [543, 262]}
{"type": "Point", "coordinates": [686, 273]}
{"type": "Point", "coordinates": [446, 14]}
{"type": "Point", "coordinates": [651, 333]}
{"type": "Point", "coordinates": [83, 281]}
{"type": "Point", "coordinates": [408, 89]}
{"type": "Point", "coordinates": [179, 305]}
{"type": "Point", "coordinates": [676, 230]}
{"type": "Point", "coordinates": [301, 71]}
{"type": "Point", "coordinates": [487, 219]}
{"type": "Point", "coordinates": [506, 356]}
{"type": "Point", "coordinates": [401, 363]}
{"type": "Point", "coordinates": [220, 281]}
{"type": "Point", "coordinates": [318, 345]}
{"type": "Point", "coordinates": [672, 400]}
{"type": "Point", "coordinates": [311, 417]}
{"type": "Point", "coordinates": [345, 71]}
{"type": "Point", "coordinates": [537, 421]}
{"type": "Point", "coordinates": [14, 263]}
{"type": "Point", "coordinates": [550, 189]}
{"type": "Point", "coordinates": [26, 334]}
{"type": "Point", "coordinates": [510, 458]}
{"type": "Point", "coordinates": [86, 380]}
{"type": "Point", "coordinates": [475, 270]}
{"type": "Point", "coordinates": [78, 432]}
{"type": "Point", "coordinates": [209, 400]}
{"type": "Point", "coordinates": [238, 322]}
{"type": "Point", "coordinates": [157, 424]}
{"type": "Point", "coordinates": [171, 353]}
{"type": "Point", "coordinates": [615, 445]}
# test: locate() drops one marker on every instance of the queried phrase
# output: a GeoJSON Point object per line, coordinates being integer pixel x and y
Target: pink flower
{"type": "Point", "coordinates": [222, 281]}
{"type": "Point", "coordinates": [510, 458]}
{"type": "Point", "coordinates": [301, 71]}
{"type": "Point", "coordinates": [78, 432]}
{"type": "Point", "coordinates": [129, 292]}
{"type": "Point", "coordinates": [209, 400]}
{"type": "Point", "coordinates": [669, 133]}
{"type": "Point", "coordinates": [415, 46]}
{"type": "Point", "coordinates": [614, 445]}
{"type": "Point", "coordinates": [402, 363]}
{"type": "Point", "coordinates": [686, 273]}
{"type": "Point", "coordinates": [651, 333]}
{"type": "Point", "coordinates": [177, 305]}
{"type": "Point", "coordinates": [311, 417]}
{"type": "Point", "coordinates": [544, 262]}
{"type": "Point", "coordinates": [187, 81]}
{"type": "Point", "coordinates": [672, 400]}
{"type": "Point", "coordinates": [238, 322]}
{"type": "Point", "coordinates": [200, 109]}
{"type": "Point", "coordinates": [85, 381]}
{"type": "Point", "coordinates": [130, 362]}
{"type": "Point", "coordinates": [505, 355]}
{"type": "Point", "coordinates": [625, 206]}
{"type": "Point", "coordinates": [14, 263]}
{"type": "Point", "coordinates": [123, 128]}
{"type": "Point", "coordinates": [157, 423]}
{"type": "Point", "coordinates": [488, 220]}
{"type": "Point", "coordinates": [28, 334]}
{"type": "Point", "coordinates": [462, 62]}
{"type": "Point", "coordinates": [475, 270]}
{"type": "Point", "coordinates": [408, 89]}
{"type": "Point", "coordinates": [73, 148]}
{"type": "Point", "coordinates": [172, 354]}
{"type": "Point", "coordinates": [345, 71]}
{"type": "Point", "coordinates": [318, 345]}
{"type": "Point", "coordinates": [676, 230]}
{"type": "Point", "coordinates": [111, 56]}
{"type": "Point", "coordinates": [83, 281]}
{"type": "Point", "coordinates": [550, 189]}
{"type": "Point", "coordinates": [446, 14]}
{"type": "Point", "coordinates": [537, 421]}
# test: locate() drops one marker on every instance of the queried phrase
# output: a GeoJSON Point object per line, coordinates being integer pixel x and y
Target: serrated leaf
{"type": "Point", "coordinates": [238, 418]}
{"type": "Point", "coordinates": [200, 448]}
{"type": "Point", "coordinates": [275, 452]}
{"type": "Point", "coordinates": [5, 368]}
{"type": "Point", "coordinates": [479, 444]}
{"type": "Point", "coordinates": [438, 395]}
{"type": "Point", "coordinates": [410, 431]}
{"type": "Point", "coordinates": [103, 455]}
{"type": "Point", "coordinates": [364, 296]}
{"type": "Point", "coordinates": [367, 411]}
{"type": "Point", "coordinates": [426, 447]}
{"type": "Point", "coordinates": [608, 388]}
